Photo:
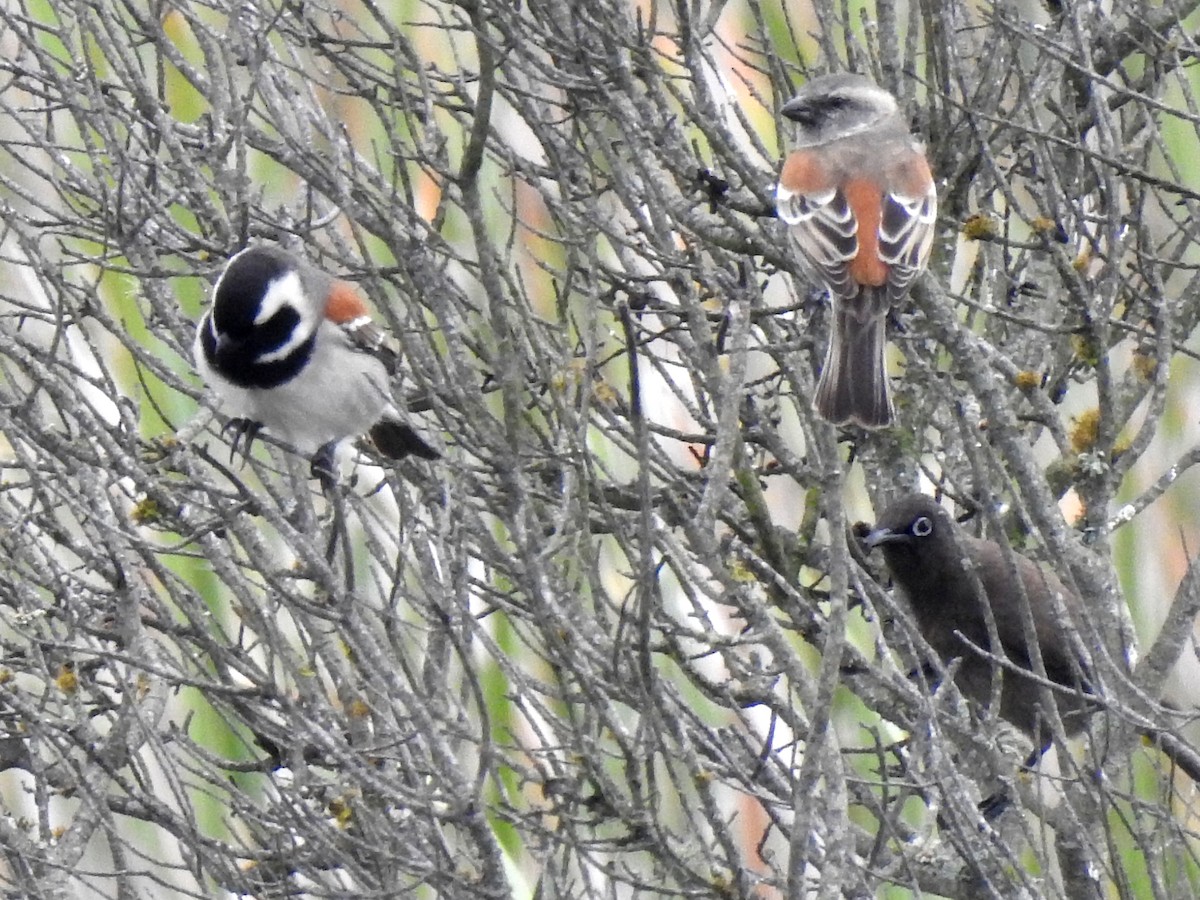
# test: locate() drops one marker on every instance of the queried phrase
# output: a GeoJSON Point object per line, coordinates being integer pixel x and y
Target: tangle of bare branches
{"type": "Point", "coordinates": [615, 643]}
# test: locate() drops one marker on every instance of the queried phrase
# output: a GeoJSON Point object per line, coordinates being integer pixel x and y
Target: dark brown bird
{"type": "Point", "coordinates": [927, 556]}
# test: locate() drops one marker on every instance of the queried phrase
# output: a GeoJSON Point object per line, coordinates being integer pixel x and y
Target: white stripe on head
{"type": "Point", "coordinates": [287, 291]}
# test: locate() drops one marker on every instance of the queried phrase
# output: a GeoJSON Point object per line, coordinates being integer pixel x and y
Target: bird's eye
{"type": "Point", "coordinates": [922, 526]}
{"type": "Point", "coordinates": [832, 102]}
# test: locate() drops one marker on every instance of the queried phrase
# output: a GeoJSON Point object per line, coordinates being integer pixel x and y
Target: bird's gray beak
{"type": "Point", "coordinates": [796, 109]}
{"type": "Point", "coordinates": [885, 536]}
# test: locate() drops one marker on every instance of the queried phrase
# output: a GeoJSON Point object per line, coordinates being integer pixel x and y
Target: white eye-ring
{"type": "Point", "coordinates": [922, 526]}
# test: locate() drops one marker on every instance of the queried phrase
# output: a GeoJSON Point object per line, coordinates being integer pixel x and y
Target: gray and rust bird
{"type": "Point", "coordinates": [289, 347]}
{"type": "Point", "coordinates": [860, 200]}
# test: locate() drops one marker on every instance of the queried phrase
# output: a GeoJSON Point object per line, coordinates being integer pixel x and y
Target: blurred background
{"type": "Point", "coordinates": [616, 643]}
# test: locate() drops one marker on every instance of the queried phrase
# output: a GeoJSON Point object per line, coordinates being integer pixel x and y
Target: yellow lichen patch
{"type": "Point", "coordinates": [1145, 366]}
{"type": "Point", "coordinates": [145, 511]}
{"type": "Point", "coordinates": [1085, 431]}
{"type": "Point", "coordinates": [67, 679]}
{"type": "Point", "coordinates": [980, 227]}
{"type": "Point", "coordinates": [1086, 349]}
{"type": "Point", "coordinates": [1027, 380]}
{"type": "Point", "coordinates": [341, 811]}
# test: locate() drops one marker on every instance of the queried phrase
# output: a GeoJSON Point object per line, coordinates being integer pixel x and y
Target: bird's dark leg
{"type": "Point", "coordinates": [993, 806]}
{"type": "Point", "coordinates": [244, 432]}
{"type": "Point", "coordinates": [926, 674]}
{"type": "Point", "coordinates": [323, 467]}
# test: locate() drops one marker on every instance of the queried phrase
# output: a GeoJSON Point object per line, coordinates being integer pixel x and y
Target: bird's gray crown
{"type": "Point", "coordinates": [837, 106]}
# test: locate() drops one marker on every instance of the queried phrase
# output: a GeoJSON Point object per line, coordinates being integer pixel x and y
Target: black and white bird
{"type": "Point", "coordinates": [289, 348]}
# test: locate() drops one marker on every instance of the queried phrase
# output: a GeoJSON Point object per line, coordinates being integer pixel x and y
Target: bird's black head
{"type": "Point", "coordinates": [238, 300]}
{"type": "Point", "coordinates": [916, 536]}
{"type": "Point", "coordinates": [265, 313]}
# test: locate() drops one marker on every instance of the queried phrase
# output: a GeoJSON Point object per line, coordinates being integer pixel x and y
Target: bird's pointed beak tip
{"type": "Point", "coordinates": [879, 536]}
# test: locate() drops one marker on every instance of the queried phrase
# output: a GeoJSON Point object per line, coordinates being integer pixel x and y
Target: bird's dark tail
{"type": "Point", "coordinates": [397, 440]}
{"type": "Point", "coordinates": [854, 384]}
